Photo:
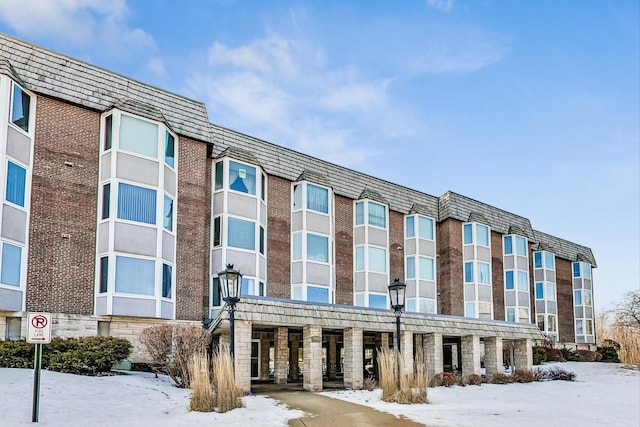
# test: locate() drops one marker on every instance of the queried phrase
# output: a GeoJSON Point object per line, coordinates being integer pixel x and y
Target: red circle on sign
{"type": "Point", "coordinates": [39, 322]}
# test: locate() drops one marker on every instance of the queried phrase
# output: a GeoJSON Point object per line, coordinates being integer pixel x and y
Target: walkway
{"type": "Point", "coordinates": [327, 412]}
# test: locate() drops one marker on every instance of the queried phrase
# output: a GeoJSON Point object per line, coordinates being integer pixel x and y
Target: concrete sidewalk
{"type": "Point", "coordinates": [324, 411]}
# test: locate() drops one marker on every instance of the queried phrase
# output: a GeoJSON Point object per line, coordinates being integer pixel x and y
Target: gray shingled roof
{"type": "Point", "coordinates": [565, 249]}
{"type": "Point", "coordinates": [456, 206]}
{"type": "Point", "coordinates": [314, 177]}
{"type": "Point", "coordinates": [417, 208]}
{"type": "Point", "coordinates": [49, 73]}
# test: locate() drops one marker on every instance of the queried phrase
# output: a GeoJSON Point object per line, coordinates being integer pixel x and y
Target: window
{"type": "Point", "coordinates": [248, 287]}
{"type": "Point", "coordinates": [108, 132]}
{"type": "Point", "coordinates": [579, 329]}
{"type": "Point", "coordinates": [317, 247]}
{"type": "Point", "coordinates": [378, 301]}
{"type": "Point", "coordinates": [242, 178]}
{"type": "Point", "coordinates": [587, 297]}
{"type": "Point", "coordinates": [216, 295]}
{"type": "Point", "coordinates": [359, 213]}
{"type": "Point", "coordinates": [425, 226]}
{"type": "Point", "coordinates": [359, 258]}
{"type": "Point", "coordinates": [523, 281]}
{"type": "Point", "coordinates": [169, 147]}
{"type": "Point", "coordinates": [576, 269]}
{"type": "Point", "coordinates": [511, 314]}
{"type": "Point", "coordinates": [411, 304]}
{"type": "Point", "coordinates": [20, 108]}
{"type": "Point", "coordinates": [577, 296]}
{"type": "Point", "coordinates": [297, 197]}
{"type": "Point", "coordinates": [219, 175]}
{"type": "Point", "coordinates": [261, 240]}
{"type": "Point", "coordinates": [539, 290]}
{"type": "Point", "coordinates": [551, 291]}
{"type": "Point", "coordinates": [377, 259]}
{"type": "Point", "coordinates": [297, 246]}
{"type": "Point", "coordinates": [317, 198]}
{"type": "Point", "coordinates": [377, 215]}
{"type": "Point", "coordinates": [16, 183]}
{"type": "Point", "coordinates": [217, 231]}
{"type": "Point", "coordinates": [296, 293]}
{"type": "Point", "coordinates": [551, 323]}
{"type": "Point", "coordinates": [14, 328]}
{"type": "Point", "coordinates": [470, 309]}
{"type": "Point", "coordinates": [523, 315]}
{"type": "Point", "coordinates": [106, 200]}
{"type": "Point", "coordinates": [586, 270]}
{"type": "Point", "coordinates": [468, 272]}
{"type": "Point", "coordinates": [549, 260]}
{"type": "Point", "coordinates": [468, 234]}
{"type": "Point", "coordinates": [263, 187]}
{"type": "Point", "coordinates": [136, 203]}
{"type": "Point", "coordinates": [138, 136]}
{"type": "Point", "coordinates": [537, 259]}
{"type": "Point", "coordinates": [482, 233]}
{"type": "Point", "coordinates": [104, 274]}
{"type": "Point", "coordinates": [135, 276]}
{"type": "Point", "coordinates": [484, 274]}
{"type": "Point", "coordinates": [521, 246]}
{"type": "Point", "coordinates": [316, 294]}
{"type": "Point", "coordinates": [409, 227]}
{"type": "Point", "coordinates": [540, 321]}
{"type": "Point", "coordinates": [589, 326]}
{"type": "Point", "coordinates": [426, 268]}
{"type": "Point", "coordinates": [11, 264]}
{"type": "Point", "coordinates": [508, 278]}
{"type": "Point", "coordinates": [166, 281]}
{"type": "Point", "coordinates": [427, 305]}
{"type": "Point", "coordinates": [241, 234]}
{"type": "Point", "coordinates": [411, 267]}
{"type": "Point", "coordinates": [508, 247]}
{"type": "Point", "coordinates": [167, 221]}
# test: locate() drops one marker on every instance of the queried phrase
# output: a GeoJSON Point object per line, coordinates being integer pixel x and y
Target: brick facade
{"type": "Point", "coordinates": [450, 270]}
{"type": "Point", "coordinates": [497, 275]}
{"type": "Point", "coordinates": [344, 250]}
{"type": "Point", "coordinates": [564, 290]}
{"type": "Point", "coordinates": [396, 245]}
{"type": "Point", "coordinates": [278, 238]}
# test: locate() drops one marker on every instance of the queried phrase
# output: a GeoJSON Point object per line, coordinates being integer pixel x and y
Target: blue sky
{"type": "Point", "coordinates": [531, 106]}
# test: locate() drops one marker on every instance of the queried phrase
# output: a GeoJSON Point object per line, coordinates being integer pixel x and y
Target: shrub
{"type": "Point", "coordinates": [171, 348]}
{"type": "Point", "coordinates": [587, 355]}
{"type": "Point", "coordinates": [554, 373]}
{"type": "Point", "coordinates": [369, 383]}
{"type": "Point", "coordinates": [523, 376]}
{"type": "Point", "coordinates": [500, 378]}
{"type": "Point", "coordinates": [553, 354]}
{"type": "Point", "coordinates": [609, 354]}
{"type": "Point", "coordinates": [201, 397]}
{"type": "Point", "coordinates": [224, 382]}
{"type": "Point", "coordinates": [569, 355]}
{"type": "Point", "coordinates": [474, 379]}
{"type": "Point", "coordinates": [539, 355]}
{"type": "Point", "coordinates": [16, 354]}
{"type": "Point", "coordinates": [446, 379]}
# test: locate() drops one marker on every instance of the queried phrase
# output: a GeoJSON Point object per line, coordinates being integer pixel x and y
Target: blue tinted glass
{"type": "Point", "coordinates": [539, 290]}
{"type": "Point", "coordinates": [523, 281]}
{"type": "Point", "coordinates": [315, 294]}
{"type": "Point", "coordinates": [521, 245]}
{"type": "Point", "coordinates": [484, 275]}
{"type": "Point", "coordinates": [241, 234]}
{"type": "Point", "coordinates": [360, 258]}
{"type": "Point", "coordinates": [425, 226]}
{"type": "Point", "coordinates": [169, 144]}
{"type": "Point", "coordinates": [378, 301]}
{"type": "Point", "coordinates": [578, 297]}
{"type": "Point", "coordinates": [511, 314]}
{"type": "Point", "coordinates": [297, 246]}
{"type": "Point", "coordinates": [136, 203]}
{"type": "Point", "coordinates": [317, 248]}
{"type": "Point", "coordinates": [468, 234]}
{"type": "Point", "coordinates": [135, 276]}
{"type": "Point", "coordinates": [549, 260]}
{"type": "Point", "coordinates": [359, 213]}
{"type": "Point", "coordinates": [509, 280]}
{"type": "Point", "coordinates": [20, 108]}
{"type": "Point", "coordinates": [537, 259]}
{"type": "Point", "coordinates": [410, 226]}
{"type": "Point", "coordinates": [317, 198]}
{"type": "Point", "coordinates": [426, 268]}
{"type": "Point", "coordinates": [411, 304]}
{"type": "Point", "coordinates": [16, 182]}
{"type": "Point", "coordinates": [411, 268]}
{"type": "Point", "coordinates": [377, 215]}
{"type": "Point", "coordinates": [167, 220]}
{"type": "Point", "coordinates": [11, 262]}
{"type": "Point", "coordinates": [468, 272]}
{"type": "Point", "coordinates": [247, 287]}
{"type": "Point", "coordinates": [508, 248]}
{"type": "Point", "coordinates": [377, 259]}
{"type": "Point", "coordinates": [482, 233]}
{"type": "Point", "coordinates": [242, 177]}
{"type": "Point", "coordinates": [576, 269]}
{"type": "Point", "coordinates": [166, 281]}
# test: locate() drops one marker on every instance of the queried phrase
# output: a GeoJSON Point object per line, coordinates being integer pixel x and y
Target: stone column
{"type": "Point", "coordinates": [242, 358]}
{"type": "Point", "coordinates": [265, 344]}
{"type": "Point", "coordinates": [493, 362]}
{"type": "Point", "coordinates": [523, 354]}
{"type": "Point", "coordinates": [293, 361]}
{"type": "Point", "coordinates": [312, 344]}
{"type": "Point", "coordinates": [281, 345]}
{"type": "Point", "coordinates": [353, 358]}
{"type": "Point", "coordinates": [432, 344]}
{"type": "Point", "coordinates": [384, 340]}
{"type": "Point", "coordinates": [406, 352]}
{"type": "Point", "coordinates": [332, 363]}
{"type": "Point", "coordinates": [470, 355]}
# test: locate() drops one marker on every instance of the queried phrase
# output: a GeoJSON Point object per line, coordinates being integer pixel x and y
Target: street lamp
{"type": "Point", "coordinates": [230, 281]}
{"type": "Point", "coordinates": [397, 293]}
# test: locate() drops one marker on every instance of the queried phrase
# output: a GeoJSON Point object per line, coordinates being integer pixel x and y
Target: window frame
{"type": "Point", "coordinates": [236, 220]}
{"type": "Point", "coordinates": [22, 199]}
{"type": "Point", "coordinates": [232, 162]}
{"type": "Point", "coordinates": [12, 122]}
{"type": "Point", "coordinates": [154, 211]}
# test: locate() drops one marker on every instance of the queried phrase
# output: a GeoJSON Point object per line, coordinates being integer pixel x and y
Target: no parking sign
{"type": "Point", "coordinates": [39, 328]}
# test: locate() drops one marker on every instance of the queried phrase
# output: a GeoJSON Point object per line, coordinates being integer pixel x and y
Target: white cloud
{"type": "Point", "coordinates": [443, 5]}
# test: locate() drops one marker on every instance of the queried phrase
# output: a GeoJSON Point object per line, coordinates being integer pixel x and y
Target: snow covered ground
{"type": "Point", "coordinates": [604, 394]}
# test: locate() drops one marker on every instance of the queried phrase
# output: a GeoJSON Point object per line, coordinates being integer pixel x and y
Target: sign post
{"type": "Point", "coordinates": [38, 333]}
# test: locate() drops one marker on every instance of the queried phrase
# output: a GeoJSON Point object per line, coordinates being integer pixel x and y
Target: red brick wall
{"type": "Point", "coordinates": [450, 271]}
{"type": "Point", "coordinates": [396, 245]}
{"type": "Point", "coordinates": [564, 286]}
{"type": "Point", "coordinates": [193, 230]}
{"type": "Point", "coordinates": [344, 250]}
{"type": "Point", "coordinates": [278, 238]}
{"type": "Point", "coordinates": [60, 273]}
{"type": "Point", "coordinates": [497, 275]}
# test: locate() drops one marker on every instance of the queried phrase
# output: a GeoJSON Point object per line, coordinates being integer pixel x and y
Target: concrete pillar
{"type": "Point", "coordinates": [353, 358]}
{"type": "Point", "coordinates": [312, 344]}
{"type": "Point", "coordinates": [470, 355]}
{"type": "Point", "coordinates": [432, 345]}
{"type": "Point", "coordinates": [265, 344]}
{"type": "Point", "coordinates": [493, 362]}
{"type": "Point", "coordinates": [281, 345]}
{"type": "Point", "coordinates": [523, 354]}
{"type": "Point", "coordinates": [406, 352]}
{"type": "Point", "coordinates": [332, 363]}
{"type": "Point", "coordinates": [293, 361]}
{"type": "Point", "coordinates": [242, 358]}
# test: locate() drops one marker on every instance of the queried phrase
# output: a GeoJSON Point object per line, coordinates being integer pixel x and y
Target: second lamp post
{"type": "Point", "coordinates": [230, 282]}
{"type": "Point", "coordinates": [397, 294]}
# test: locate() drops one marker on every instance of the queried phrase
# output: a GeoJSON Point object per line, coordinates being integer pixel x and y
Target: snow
{"type": "Point", "coordinates": [604, 394]}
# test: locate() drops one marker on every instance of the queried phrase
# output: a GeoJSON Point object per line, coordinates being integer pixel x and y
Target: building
{"type": "Point", "coordinates": [121, 202]}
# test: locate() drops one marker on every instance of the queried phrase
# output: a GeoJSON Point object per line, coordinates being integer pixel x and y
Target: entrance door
{"type": "Point", "coordinates": [255, 359]}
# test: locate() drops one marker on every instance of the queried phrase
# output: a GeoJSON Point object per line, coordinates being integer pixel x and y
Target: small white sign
{"type": "Point", "coordinates": [39, 328]}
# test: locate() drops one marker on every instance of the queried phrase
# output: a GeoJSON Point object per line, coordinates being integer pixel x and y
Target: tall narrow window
{"type": "Point", "coordinates": [104, 274]}
{"type": "Point", "coordinates": [537, 260]}
{"type": "Point", "coordinates": [106, 200]}
{"type": "Point", "coordinates": [521, 246]}
{"type": "Point", "coordinates": [263, 187]}
{"type": "Point", "coordinates": [317, 198]}
{"type": "Point", "coordinates": [508, 247]}
{"type": "Point", "coordinates": [377, 215]}
{"type": "Point", "coordinates": [262, 240]}
{"type": "Point", "coordinates": [11, 264]}
{"type": "Point", "coordinates": [297, 246]}
{"type": "Point", "coordinates": [215, 293]}
{"type": "Point", "coordinates": [410, 227]}
{"type": "Point", "coordinates": [523, 281]}
{"type": "Point", "coordinates": [509, 282]}
{"type": "Point", "coordinates": [219, 175]}
{"type": "Point", "coordinates": [359, 258]}
{"type": "Point", "coordinates": [136, 203]}
{"type": "Point", "coordinates": [217, 237]}
{"type": "Point", "coordinates": [166, 281]}
{"type": "Point", "coordinates": [377, 259]}
{"type": "Point", "coordinates": [484, 272]}
{"type": "Point", "coordinates": [108, 132]}
{"type": "Point", "coordinates": [20, 108]}
{"type": "Point", "coordinates": [425, 226]}
{"type": "Point", "coordinates": [169, 147]}
{"type": "Point", "coordinates": [16, 183]}
{"type": "Point", "coordinates": [359, 213]}
{"type": "Point", "coordinates": [468, 272]}
{"type": "Point", "coordinates": [482, 233]}
{"type": "Point", "coordinates": [468, 234]}
{"type": "Point", "coordinates": [168, 213]}
{"type": "Point", "coordinates": [426, 268]}
{"type": "Point", "coordinates": [411, 267]}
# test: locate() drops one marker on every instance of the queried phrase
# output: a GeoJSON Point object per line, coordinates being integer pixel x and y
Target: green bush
{"type": "Point", "coordinates": [570, 355]}
{"type": "Point", "coordinates": [539, 355]}
{"type": "Point", "coordinates": [609, 354]}
{"type": "Point", "coordinates": [85, 356]}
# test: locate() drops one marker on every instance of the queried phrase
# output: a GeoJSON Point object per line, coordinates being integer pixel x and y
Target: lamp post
{"type": "Point", "coordinates": [230, 281]}
{"type": "Point", "coordinates": [397, 293]}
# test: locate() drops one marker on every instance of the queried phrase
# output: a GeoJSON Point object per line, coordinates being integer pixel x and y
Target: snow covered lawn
{"type": "Point", "coordinates": [602, 395]}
